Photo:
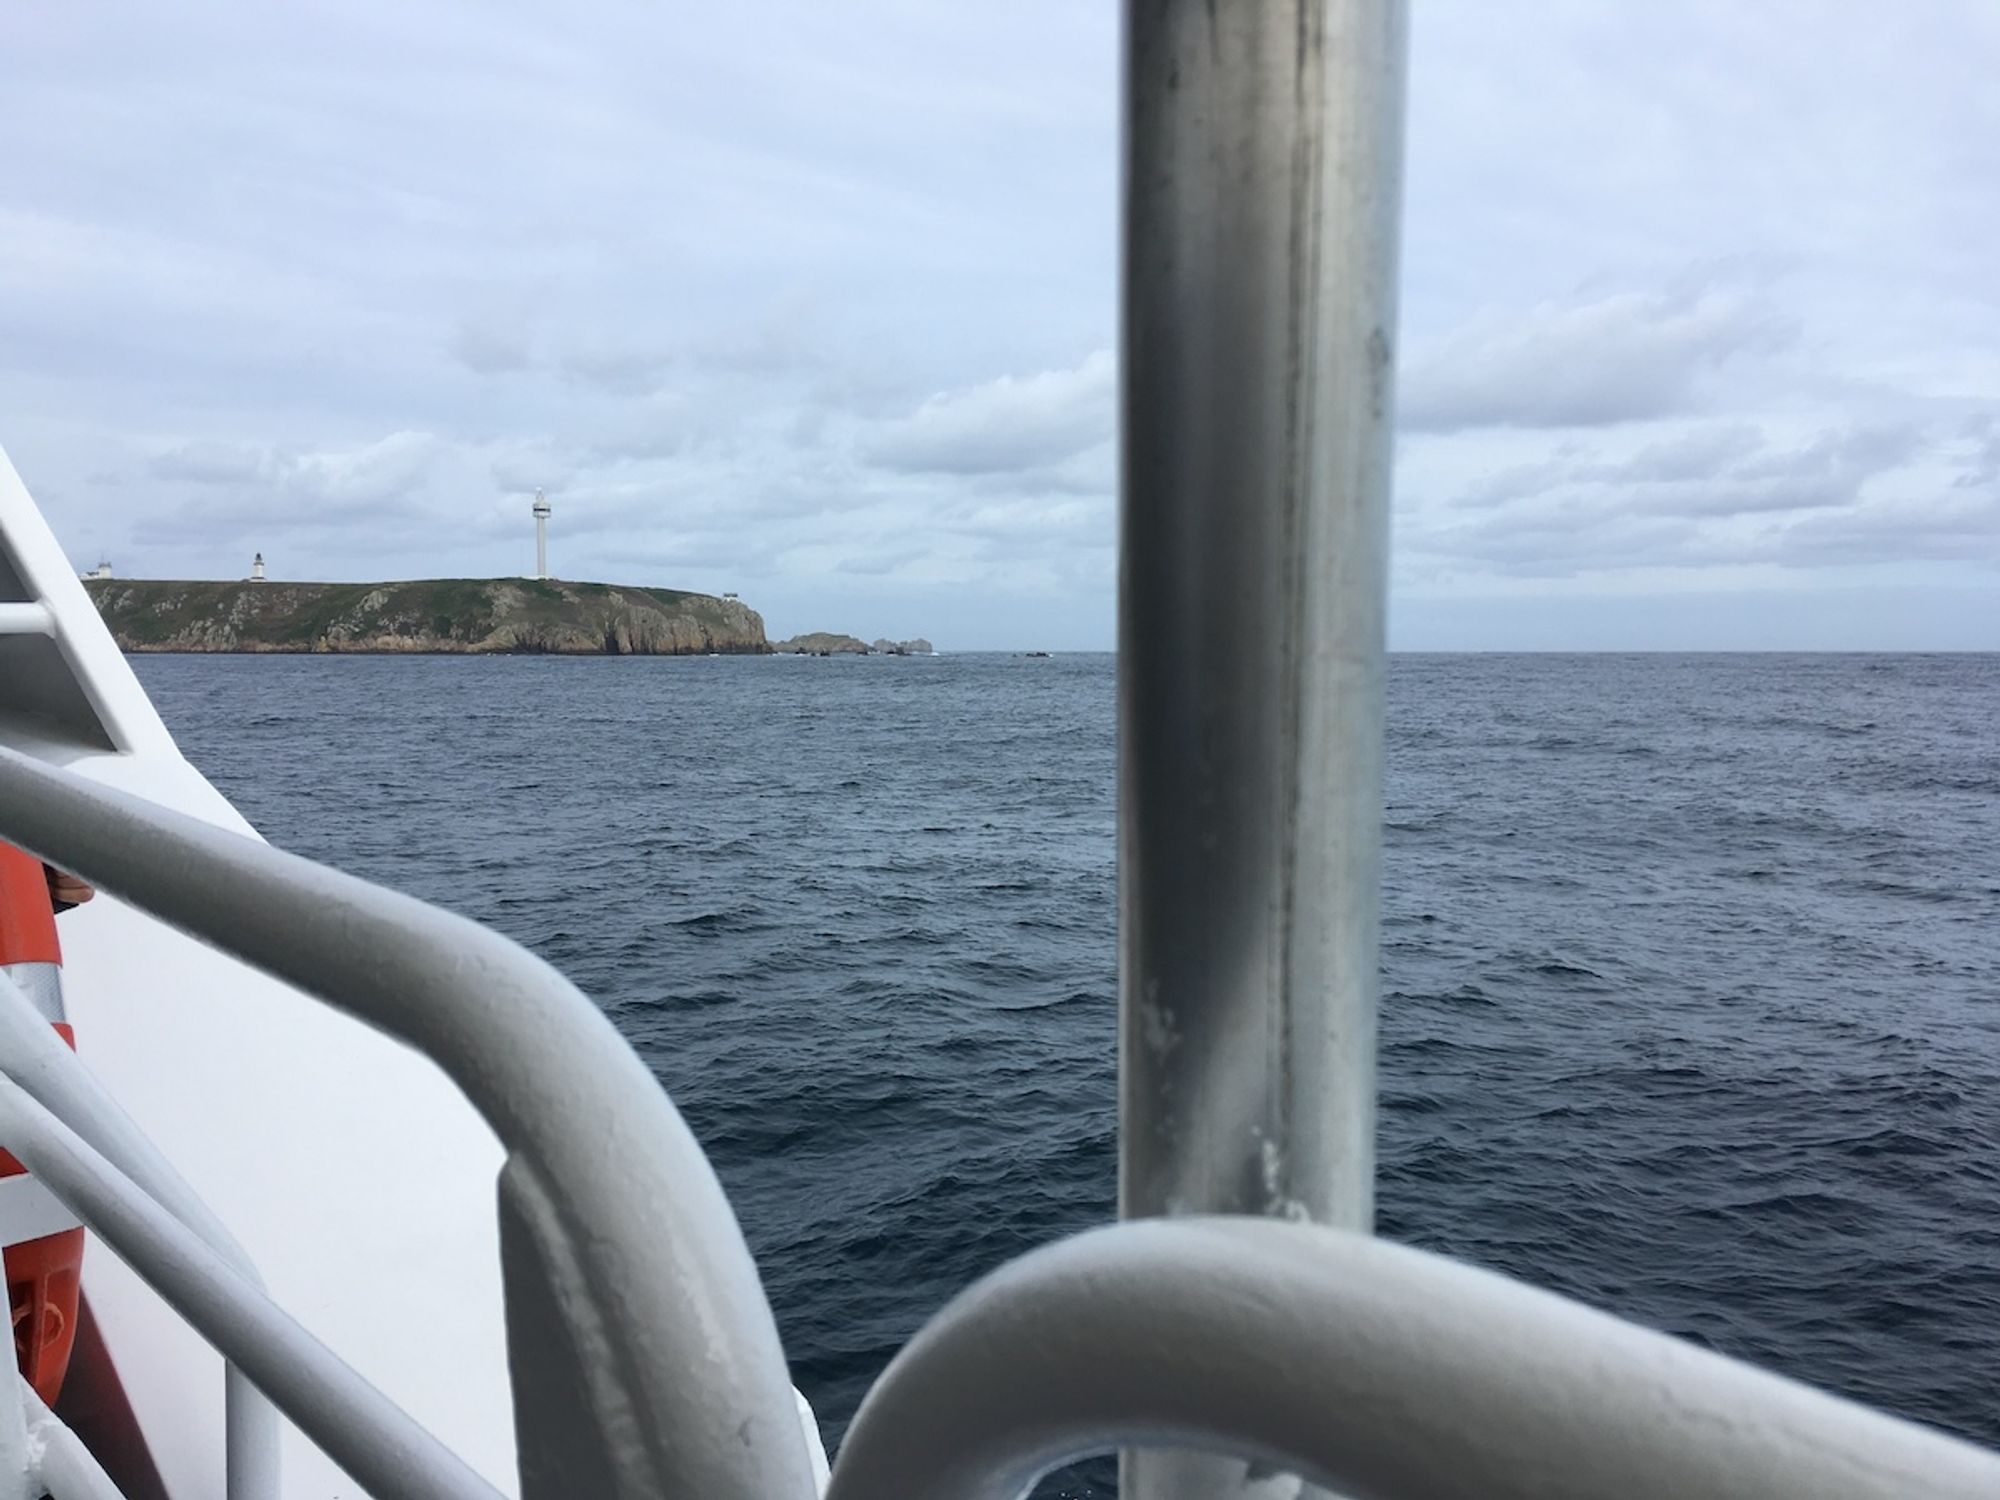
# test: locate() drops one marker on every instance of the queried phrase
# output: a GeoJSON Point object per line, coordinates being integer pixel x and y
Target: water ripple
{"type": "Point", "coordinates": [1692, 1004]}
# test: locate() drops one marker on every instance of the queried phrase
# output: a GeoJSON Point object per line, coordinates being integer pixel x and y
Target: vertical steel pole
{"type": "Point", "coordinates": [1263, 168]}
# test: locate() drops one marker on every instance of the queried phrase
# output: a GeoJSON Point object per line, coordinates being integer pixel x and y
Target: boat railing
{"type": "Point", "coordinates": [269, 1355]}
{"type": "Point", "coordinates": [643, 1356]}
{"type": "Point", "coordinates": [35, 1063]}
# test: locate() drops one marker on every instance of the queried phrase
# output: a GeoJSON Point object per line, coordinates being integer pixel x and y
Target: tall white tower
{"type": "Point", "coordinates": [541, 536]}
{"type": "Point", "coordinates": [257, 568]}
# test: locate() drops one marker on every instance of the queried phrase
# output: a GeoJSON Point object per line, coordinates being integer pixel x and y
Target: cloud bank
{"type": "Point", "coordinates": [818, 306]}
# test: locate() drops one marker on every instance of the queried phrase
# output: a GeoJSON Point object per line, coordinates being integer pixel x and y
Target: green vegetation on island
{"type": "Point", "coordinates": [470, 615]}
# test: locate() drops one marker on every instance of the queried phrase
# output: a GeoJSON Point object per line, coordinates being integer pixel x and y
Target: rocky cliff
{"type": "Point", "coordinates": [439, 614]}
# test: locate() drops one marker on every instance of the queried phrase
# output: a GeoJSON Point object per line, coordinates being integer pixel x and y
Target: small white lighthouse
{"type": "Point", "coordinates": [541, 536]}
{"type": "Point", "coordinates": [257, 568]}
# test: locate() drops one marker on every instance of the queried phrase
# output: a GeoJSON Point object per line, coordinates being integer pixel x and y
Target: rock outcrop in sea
{"type": "Point", "coordinates": [917, 647]}
{"type": "Point", "coordinates": [469, 615]}
{"type": "Point", "coordinates": [821, 643]}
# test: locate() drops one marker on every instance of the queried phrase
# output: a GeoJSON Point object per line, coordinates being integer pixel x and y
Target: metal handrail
{"type": "Point", "coordinates": [51, 1074]}
{"type": "Point", "coordinates": [368, 1435]}
{"type": "Point", "coordinates": [644, 1357]}
{"type": "Point", "coordinates": [1369, 1367]}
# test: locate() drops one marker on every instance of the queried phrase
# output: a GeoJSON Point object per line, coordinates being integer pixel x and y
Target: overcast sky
{"type": "Point", "coordinates": [1701, 315]}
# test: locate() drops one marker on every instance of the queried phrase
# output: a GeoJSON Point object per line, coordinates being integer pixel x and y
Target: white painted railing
{"type": "Point", "coordinates": [643, 1355]}
{"type": "Point", "coordinates": [361, 1429]}
{"type": "Point", "coordinates": [35, 1062]}
{"type": "Point", "coordinates": [1367, 1367]}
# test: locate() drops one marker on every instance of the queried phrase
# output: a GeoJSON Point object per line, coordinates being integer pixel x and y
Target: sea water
{"type": "Point", "coordinates": [1691, 964]}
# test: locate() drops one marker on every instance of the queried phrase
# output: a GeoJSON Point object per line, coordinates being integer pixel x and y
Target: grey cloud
{"type": "Point", "coordinates": [1090, 473]}
{"type": "Point", "coordinates": [877, 564]}
{"type": "Point", "coordinates": [663, 426]}
{"type": "Point", "coordinates": [384, 470]}
{"type": "Point", "coordinates": [1033, 518]}
{"type": "Point", "coordinates": [1586, 362]}
{"type": "Point", "coordinates": [378, 528]}
{"type": "Point", "coordinates": [486, 349]}
{"type": "Point", "coordinates": [211, 463]}
{"type": "Point", "coordinates": [1960, 530]}
{"type": "Point", "coordinates": [1827, 473]}
{"type": "Point", "coordinates": [1012, 423]}
{"type": "Point", "coordinates": [1814, 503]}
{"type": "Point", "coordinates": [525, 468]}
{"type": "Point", "coordinates": [1697, 453]}
{"type": "Point", "coordinates": [328, 489]}
{"type": "Point", "coordinates": [787, 339]}
{"type": "Point", "coordinates": [1983, 469]}
{"type": "Point", "coordinates": [1560, 468]}
{"type": "Point", "coordinates": [728, 553]}
{"type": "Point", "coordinates": [626, 358]}
{"type": "Point", "coordinates": [1722, 470]}
{"type": "Point", "coordinates": [698, 286]}
{"type": "Point", "coordinates": [620, 371]}
{"type": "Point", "coordinates": [1567, 541]}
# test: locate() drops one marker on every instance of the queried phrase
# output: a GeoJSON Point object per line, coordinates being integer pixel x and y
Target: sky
{"type": "Point", "coordinates": [1700, 338]}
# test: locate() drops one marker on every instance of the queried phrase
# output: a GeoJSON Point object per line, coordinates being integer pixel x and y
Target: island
{"type": "Point", "coordinates": [455, 615]}
{"type": "Point", "coordinates": [821, 643]}
{"type": "Point", "coordinates": [828, 643]}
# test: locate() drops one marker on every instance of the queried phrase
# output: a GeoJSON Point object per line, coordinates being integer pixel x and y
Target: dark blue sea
{"type": "Point", "coordinates": [1691, 965]}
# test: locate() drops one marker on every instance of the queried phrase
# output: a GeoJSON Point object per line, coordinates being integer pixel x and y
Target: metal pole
{"type": "Point", "coordinates": [1263, 166]}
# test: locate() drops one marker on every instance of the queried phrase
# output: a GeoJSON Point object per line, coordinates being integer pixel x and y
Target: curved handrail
{"type": "Point", "coordinates": [1366, 1366]}
{"type": "Point", "coordinates": [678, 1373]}
{"type": "Point", "coordinates": [379, 1445]}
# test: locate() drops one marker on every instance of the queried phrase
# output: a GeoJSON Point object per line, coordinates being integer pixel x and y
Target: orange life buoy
{"type": "Point", "coordinates": [45, 1273]}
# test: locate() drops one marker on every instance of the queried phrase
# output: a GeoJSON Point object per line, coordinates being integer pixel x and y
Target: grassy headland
{"type": "Point", "coordinates": [472, 615]}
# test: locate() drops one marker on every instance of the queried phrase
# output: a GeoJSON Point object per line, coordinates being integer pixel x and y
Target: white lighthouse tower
{"type": "Point", "coordinates": [541, 536]}
{"type": "Point", "coordinates": [257, 568]}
